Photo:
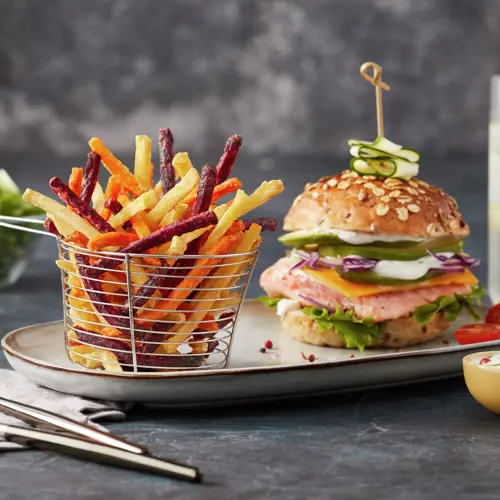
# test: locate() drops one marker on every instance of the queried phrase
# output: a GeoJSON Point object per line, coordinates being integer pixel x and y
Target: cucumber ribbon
{"type": "Point", "coordinates": [383, 158]}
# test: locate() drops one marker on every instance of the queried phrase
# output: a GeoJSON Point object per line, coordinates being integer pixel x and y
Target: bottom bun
{"type": "Point", "coordinates": [400, 332]}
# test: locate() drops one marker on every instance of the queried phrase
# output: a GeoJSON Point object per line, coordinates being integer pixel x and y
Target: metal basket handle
{"type": "Point", "coordinates": [5, 219]}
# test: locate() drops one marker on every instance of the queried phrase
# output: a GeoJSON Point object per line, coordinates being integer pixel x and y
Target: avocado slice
{"type": "Point", "coordinates": [388, 253]}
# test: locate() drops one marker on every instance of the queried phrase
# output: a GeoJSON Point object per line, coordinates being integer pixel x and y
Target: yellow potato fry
{"type": "Point", "coordinates": [138, 272]}
{"type": "Point", "coordinates": [82, 315]}
{"type": "Point", "coordinates": [159, 190]}
{"type": "Point", "coordinates": [109, 360]}
{"type": "Point", "coordinates": [63, 227]}
{"type": "Point", "coordinates": [176, 214]}
{"type": "Point", "coordinates": [232, 300]}
{"type": "Point", "coordinates": [225, 221]}
{"type": "Point", "coordinates": [242, 205]}
{"type": "Point", "coordinates": [140, 226]}
{"type": "Point", "coordinates": [176, 316]}
{"type": "Point", "coordinates": [79, 353]}
{"type": "Point", "coordinates": [174, 196]}
{"type": "Point", "coordinates": [98, 198]}
{"type": "Point", "coordinates": [207, 297]}
{"type": "Point", "coordinates": [64, 265]}
{"type": "Point", "coordinates": [143, 166]}
{"type": "Point", "coordinates": [182, 165]}
{"type": "Point", "coordinates": [58, 211]}
{"type": "Point", "coordinates": [143, 202]}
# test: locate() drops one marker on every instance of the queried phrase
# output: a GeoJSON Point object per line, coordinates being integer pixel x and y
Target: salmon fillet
{"type": "Point", "coordinates": [277, 281]}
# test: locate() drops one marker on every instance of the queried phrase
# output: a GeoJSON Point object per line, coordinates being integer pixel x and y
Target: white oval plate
{"type": "Point", "coordinates": [38, 353]}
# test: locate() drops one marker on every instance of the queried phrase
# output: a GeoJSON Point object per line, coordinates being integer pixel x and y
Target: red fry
{"type": "Point", "coordinates": [195, 276]}
{"type": "Point", "coordinates": [167, 172]}
{"type": "Point", "coordinates": [113, 205]}
{"type": "Point", "coordinates": [205, 190]}
{"type": "Point", "coordinates": [157, 238]}
{"type": "Point", "coordinates": [51, 227]}
{"type": "Point", "coordinates": [90, 177]}
{"type": "Point", "coordinates": [82, 208]}
{"type": "Point", "coordinates": [266, 223]}
{"type": "Point", "coordinates": [228, 157]}
{"type": "Point", "coordinates": [229, 186]}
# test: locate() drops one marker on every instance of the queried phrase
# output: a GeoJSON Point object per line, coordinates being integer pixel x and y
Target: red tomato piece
{"type": "Point", "coordinates": [475, 333]}
{"type": "Point", "coordinates": [493, 315]}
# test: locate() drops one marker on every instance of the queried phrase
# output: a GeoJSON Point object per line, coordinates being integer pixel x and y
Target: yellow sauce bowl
{"type": "Point", "coordinates": [483, 381]}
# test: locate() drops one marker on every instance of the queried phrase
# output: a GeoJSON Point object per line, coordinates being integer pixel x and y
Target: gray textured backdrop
{"type": "Point", "coordinates": [285, 74]}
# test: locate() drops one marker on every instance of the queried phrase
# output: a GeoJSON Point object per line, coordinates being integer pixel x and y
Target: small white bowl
{"type": "Point", "coordinates": [483, 381]}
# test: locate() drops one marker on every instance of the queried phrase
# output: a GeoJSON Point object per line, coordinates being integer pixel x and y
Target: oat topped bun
{"type": "Point", "coordinates": [353, 202]}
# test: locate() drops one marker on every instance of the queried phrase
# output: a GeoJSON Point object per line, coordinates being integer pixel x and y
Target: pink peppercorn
{"type": "Point", "coordinates": [311, 358]}
{"type": "Point", "coordinates": [484, 361]}
{"type": "Point", "coordinates": [268, 344]}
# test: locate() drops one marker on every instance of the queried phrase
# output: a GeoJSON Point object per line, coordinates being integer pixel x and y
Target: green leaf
{"type": "Point", "coordinates": [269, 301]}
{"type": "Point", "coordinates": [451, 306]}
{"type": "Point", "coordinates": [355, 332]}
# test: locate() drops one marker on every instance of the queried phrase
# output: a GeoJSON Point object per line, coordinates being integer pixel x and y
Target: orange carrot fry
{"type": "Point", "coordinates": [77, 238]}
{"type": "Point", "coordinates": [113, 190]}
{"type": "Point", "coordinates": [114, 239]}
{"type": "Point", "coordinates": [230, 186]}
{"type": "Point", "coordinates": [109, 331]}
{"type": "Point", "coordinates": [75, 180]}
{"type": "Point", "coordinates": [208, 324]}
{"type": "Point", "coordinates": [116, 167]}
{"type": "Point", "coordinates": [192, 280]}
{"type": "Point", "coordinates": [236, 227]}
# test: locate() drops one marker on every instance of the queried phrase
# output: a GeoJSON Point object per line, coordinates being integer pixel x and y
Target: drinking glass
{"type": "Point", "coordinates": [494, 192]}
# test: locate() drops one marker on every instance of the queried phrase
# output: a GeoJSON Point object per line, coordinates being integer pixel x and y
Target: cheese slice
{"type": "Point", "coordinates": [331, 278]}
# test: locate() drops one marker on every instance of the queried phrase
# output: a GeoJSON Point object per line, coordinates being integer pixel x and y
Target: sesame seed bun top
{"type": "Point", "coordinates": [353, 202]}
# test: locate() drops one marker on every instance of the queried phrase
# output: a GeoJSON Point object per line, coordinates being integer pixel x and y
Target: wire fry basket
{"type": "Point", "coordinates": [144, 313]}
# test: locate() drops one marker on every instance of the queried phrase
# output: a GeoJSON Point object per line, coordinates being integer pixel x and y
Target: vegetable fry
{"type": "Point", "coordinates": [116, 167]}
{"type": "Point", "coordinates": [51, 227]}
{"type": "Point", "coordinates": [241, 206]}
{"type": "Point", "coordinates": [140, 226]}
{"type": "Point", "coordinates": [75, 180]}
{"type": "Point", "coordinates": [227, 187]}
{"type": "Point", "coordinates": [143, 168]}
{"type": "Point", "coordinates": [57, 211]}
{"type": "Point", "coordinates": [113, 190]}
{"type": "Point", "coordinates": [192, 280]}
{"type": "Point", "coordinates": [109, 313]}
{"type": "Point", "coordinates": [113, 206]}
{"type": "Point", "coordinates": [266, 223]}
{"type": "Point", "coordinates": [205, 190]}
{"type": "Point", "coordinates": [182, 165]}
{"type": "Point", "coordinates": [143, 202]}
{"type": "Point", "coordinates": [174, 196]}
{"type": "Point", "coordinates": [167, 172]}
{"type": "Point", "coordinates": [228, 158]}
{"type": "Point", "coordinates": [112, 239]}
{"type": "Point", "coordinates": [177, 213]}
{"type": "Point", "coordinates": [161, 276]}
{"type": "Point", "coordinates": [82, 208]}
{"type": "Point", "coordinates": [160, 236]}
{"type": "Point", "coordinates": [90, 177]}
{"type": "Point", "coordinates": [98, 198]}
{"type": "Point", "coordinates": [206, 298]}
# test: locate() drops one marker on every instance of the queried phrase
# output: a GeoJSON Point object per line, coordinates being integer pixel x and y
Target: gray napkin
{"type": "Point", "coordinates": [15, 387]}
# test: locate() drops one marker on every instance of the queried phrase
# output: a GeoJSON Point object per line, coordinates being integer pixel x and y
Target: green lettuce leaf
{"type": "Point", "coordinates": [355, 332]}
{"type": "Point", "coordinates": [269, 301]}
{"type": "Point", "coordinates": [451, 306]}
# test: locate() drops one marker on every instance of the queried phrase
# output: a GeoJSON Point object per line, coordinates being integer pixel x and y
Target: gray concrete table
{"type": "Point", "coordinates": [427, 441]}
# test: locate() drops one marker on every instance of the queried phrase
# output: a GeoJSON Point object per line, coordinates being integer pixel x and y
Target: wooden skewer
{"type": "Point", "coordinates": [376, 81]}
